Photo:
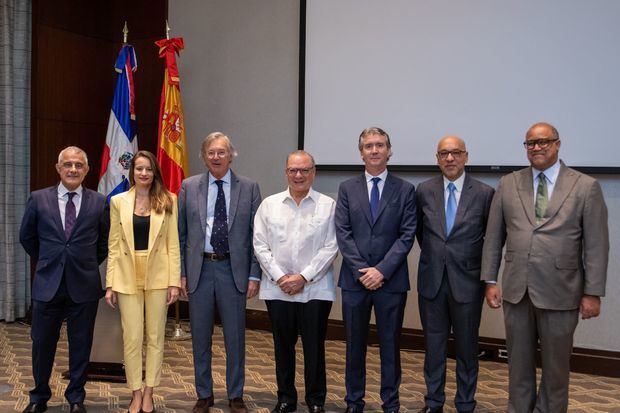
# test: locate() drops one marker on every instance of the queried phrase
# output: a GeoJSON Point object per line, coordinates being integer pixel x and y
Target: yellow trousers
{"type": "Point", "coordinates": [145, 308]}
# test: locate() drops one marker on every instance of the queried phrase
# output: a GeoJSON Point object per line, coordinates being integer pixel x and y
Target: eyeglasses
{"type": "Point", "coordinates": [294, 171]}
{"type": "Point", "coordinates": [217, 154]}
{"type": "Point", "coordinates": [77, 165]}
{"type": "Point", "coordinates": [455, 154]}
{"type": "Point", "coordinates": [542, 143]}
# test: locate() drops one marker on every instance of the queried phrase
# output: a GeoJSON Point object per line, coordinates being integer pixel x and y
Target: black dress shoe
{"type": "Point", "coordinates": [35, 408]}
{"type": "Point", "coordinates": [353, 409]}
{"type": "Point", "coordinates": [283, 407]}
{"type": "Point", "coordinates": [316, 408]}
{"type": "Point", "coordinates": [77, 408]}
{"type": "Point", "coordinates": [427, 409]}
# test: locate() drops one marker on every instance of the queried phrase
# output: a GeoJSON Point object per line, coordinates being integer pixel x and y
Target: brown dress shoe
{"type": "Point", "coordinates": [202, 405]}
{"type": "Point", "coordinates": [237, 405]}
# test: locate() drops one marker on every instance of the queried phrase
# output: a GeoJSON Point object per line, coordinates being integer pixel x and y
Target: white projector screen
{"type": "Point", "coordinates": [481, 69]}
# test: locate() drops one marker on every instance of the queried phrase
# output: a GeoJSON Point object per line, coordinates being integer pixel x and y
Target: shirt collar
{"type": "Point", "coordinates": [551, 173]}
{"type": "Point", "coordinates": [382, 175]}
{"type": "Point", "coordinates": [312, 194]}
{"type": "Point", "coordinates": [62, 190]}
{"type": "Point", "coordinates": [458, 183]}
{"type": "Point", "coordinates": [225, 178]}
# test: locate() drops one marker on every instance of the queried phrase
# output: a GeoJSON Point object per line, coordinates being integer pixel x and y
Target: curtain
{"type": "Point", "coordinates": [15, 46]}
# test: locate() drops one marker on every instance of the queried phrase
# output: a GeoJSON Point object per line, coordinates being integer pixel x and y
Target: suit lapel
{"type": "Point", "coordinates": [464, 201]}
{"type": "Point", "coordinates": [156, 222]}
{"type": "Point", "coordinates": [201, 200]}
{"type": "Point", "coordinates": [525, 188]}
{"type": "Point", "coordinates": [388, 192]}
{"type": "Point", "coordinates": [53, 206]}
{"type": "Point", "coordinates": [362, 197]}
{"type": "Point", "coordinates": [439, 204]}
{"type": "Point", "coordinates": [235, 190]}
{"type": "Point", "coordinates": [563, 186]}
{"type": "Point", "coordinates": [128, 200]}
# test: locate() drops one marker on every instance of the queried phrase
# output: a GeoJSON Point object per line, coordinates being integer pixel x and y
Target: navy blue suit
{"type": "Point", "coordinates": [383, 244]}
{"type": "Point", "coordinates": [66, 285]}
{"type": "Point", "coordinates": [449, 286]}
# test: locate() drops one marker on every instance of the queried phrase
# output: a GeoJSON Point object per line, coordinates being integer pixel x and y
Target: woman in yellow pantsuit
{"type": "Point", "coordinates": [144, 271]}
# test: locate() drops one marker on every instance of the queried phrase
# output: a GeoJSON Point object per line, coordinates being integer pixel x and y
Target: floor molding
{"type": "Point", "coordinates": [583, 360]}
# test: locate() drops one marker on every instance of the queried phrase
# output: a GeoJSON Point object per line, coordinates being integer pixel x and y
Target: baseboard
{"type": "Point", "coordinates": [583, 360]}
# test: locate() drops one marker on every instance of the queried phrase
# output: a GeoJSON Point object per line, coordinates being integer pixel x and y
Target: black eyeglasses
{"type": "Point", "coordinates": [542, 143]}
{"type": "Point", "coordinates": [455, 154]}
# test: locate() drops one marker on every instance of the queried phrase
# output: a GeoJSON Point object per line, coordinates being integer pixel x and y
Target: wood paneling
{"type": "Point", "coordinates": [74, 48]}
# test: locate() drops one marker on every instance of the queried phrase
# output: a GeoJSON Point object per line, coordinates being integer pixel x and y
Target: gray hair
{"type": "Point", "coordinates": [73, 149]}
{"type": "Point", "coordinates": [373, 131]}
{"type": "Point", "coordinates": [300, 152]}
{"type": "Point", "coordinates": [217, 135]}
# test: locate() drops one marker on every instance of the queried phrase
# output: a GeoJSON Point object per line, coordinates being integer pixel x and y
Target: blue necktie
{"type": "Point", "coordinates": [219, 233]}
{"type": "Point", "coordinates": [450, 208]}
{"type": "Point", "coordinates": [70, 215]}
{"type": "Point", "coordinates": [374, 198]}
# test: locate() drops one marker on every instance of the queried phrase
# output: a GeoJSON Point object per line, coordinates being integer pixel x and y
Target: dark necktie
{"type": "Point", "coordinates": [541, 198]}
{"type": "Point", "coordinates": [450, 208]}
{"type": "Point", "coordinates": [219, 232]}
{"type": "Point", "coordinates": [374, 198]}
{"type": "Point", "coordinates": [70, 215]}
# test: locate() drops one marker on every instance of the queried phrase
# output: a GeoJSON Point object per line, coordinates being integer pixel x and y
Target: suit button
{"type": "Point", "coordinates": [125, 253]}
{"type": "Point", "coordinates": [68, 244]}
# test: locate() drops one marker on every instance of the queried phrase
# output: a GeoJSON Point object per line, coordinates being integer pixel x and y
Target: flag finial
{"type": "Point", "coordinates": [167, 30]}
{"type": "Point", "coordinates": [125, 32]}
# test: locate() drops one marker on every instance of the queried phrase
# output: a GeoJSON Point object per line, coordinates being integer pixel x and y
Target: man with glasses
{"type": "Point", "coordinates": [452, 213]}
{"type": "Point", "coordinates": [218, 268]}
{"type": "Point", "coordinates": [65, 231]}
{"type": "Point", "coordinates": [553, 222]}
{"type": "Point", "coordinates": [375, 228]}
{"type": "Point", "coordinates": [295, 243]}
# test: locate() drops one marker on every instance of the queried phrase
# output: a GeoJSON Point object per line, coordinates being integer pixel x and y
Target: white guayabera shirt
{"type": "Point", "coordinates": [292, 239]}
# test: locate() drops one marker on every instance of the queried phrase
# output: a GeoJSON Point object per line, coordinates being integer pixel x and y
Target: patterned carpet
{"type": "Point", "coordinates": [176, 394]}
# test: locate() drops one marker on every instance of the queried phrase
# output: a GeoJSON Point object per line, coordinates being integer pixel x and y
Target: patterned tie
{"type": "Point", "coordinates": [450, 208]}
{"type": "Point", "coordinates": [70, 215]}
{"type": "Point", "coordinates": [541, 198]}
{"type": "Point", "coordinates": [219, 233]}
{"type": "Point", "coordinates": [374, 198]}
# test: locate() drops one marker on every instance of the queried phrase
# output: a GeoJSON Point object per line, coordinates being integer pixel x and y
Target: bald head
{"type": "Point", "coordinates": [452, 156]}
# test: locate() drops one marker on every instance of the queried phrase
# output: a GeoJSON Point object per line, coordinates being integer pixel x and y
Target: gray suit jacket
{"type": "Point", "coordinates": [460, 252]}
{"type": "Point", "coordinates": [244, 201]}
{"type": "Point", "coordinates": [558, 260]}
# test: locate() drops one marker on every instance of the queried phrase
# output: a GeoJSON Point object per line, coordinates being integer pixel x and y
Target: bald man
{"type": "Point", "coordinates": [452, 215]}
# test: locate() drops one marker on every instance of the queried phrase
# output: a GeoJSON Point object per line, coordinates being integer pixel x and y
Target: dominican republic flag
{"type": "Point", "coordinates": [121, 142]}
{"type": "Point", "coordinates": [172, 148]}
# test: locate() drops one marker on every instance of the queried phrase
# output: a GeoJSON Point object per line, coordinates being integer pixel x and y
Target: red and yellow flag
{"type": "Point", "coordinates": [172, 149]}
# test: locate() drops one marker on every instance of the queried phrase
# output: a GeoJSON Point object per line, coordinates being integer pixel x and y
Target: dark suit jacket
{"type": "Point", "coordinates": [383, 244]}
{"type": "Point", "coordinates": [561, 258]}
{"type": "Point", "coordinates": [460, 253]}
{"type": "Point", "coordinates": [244, 201]}
{"type": "Point", "coordinates": [78, 258]}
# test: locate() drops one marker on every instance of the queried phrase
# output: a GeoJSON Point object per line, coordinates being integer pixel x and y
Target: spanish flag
{"type": "Point", "coordinates": [172, 149]}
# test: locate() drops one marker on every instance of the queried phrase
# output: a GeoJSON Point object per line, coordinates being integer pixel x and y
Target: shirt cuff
{"type": "Point", "coordinates": [253, 278]}
{"type": "Point", "coordinates": [490, 282]}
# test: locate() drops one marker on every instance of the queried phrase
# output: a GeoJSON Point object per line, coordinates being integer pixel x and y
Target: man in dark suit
{"type": "Point", "coordinates": [553, 221]}
{"type": "Point", "coordinates": [452, 216]}
{"type": "Point", "coordinates": [218, 267]}
{"type": "Point", "coordinates": [65, 230]}
{"type": "Point", "coordinates": [375, 229]}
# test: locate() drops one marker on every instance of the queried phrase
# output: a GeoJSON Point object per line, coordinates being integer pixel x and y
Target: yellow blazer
{"type": "Point", "coordinates": [163, 260]}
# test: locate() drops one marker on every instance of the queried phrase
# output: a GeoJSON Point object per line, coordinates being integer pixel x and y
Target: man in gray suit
{"type": "Point", "coordinates": [452, 216]}
{"type": "Point", "coordinates": [553, 221]}
{"type": "Point", "coordinates": [218, 267]}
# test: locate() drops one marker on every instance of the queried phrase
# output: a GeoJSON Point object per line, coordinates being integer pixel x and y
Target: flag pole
{"type": "Point", "coordinates": [125, 33]}
{"type": "Point", "coordinates": [177, 333]}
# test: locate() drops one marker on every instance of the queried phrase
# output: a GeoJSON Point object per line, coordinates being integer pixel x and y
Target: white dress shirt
{"type": "Point", "coordinates": [551, 176]}
{"type": "Point", "coordinates": [63, 198]}
{"type": "Point", "coordinates": [380, 184]}
{"type": "Point", "coordinates": [296, 239]}
{"type": "Point", "coordinates": [211, 198]}
{"type": "Point", "coordinates": [458, 184]}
